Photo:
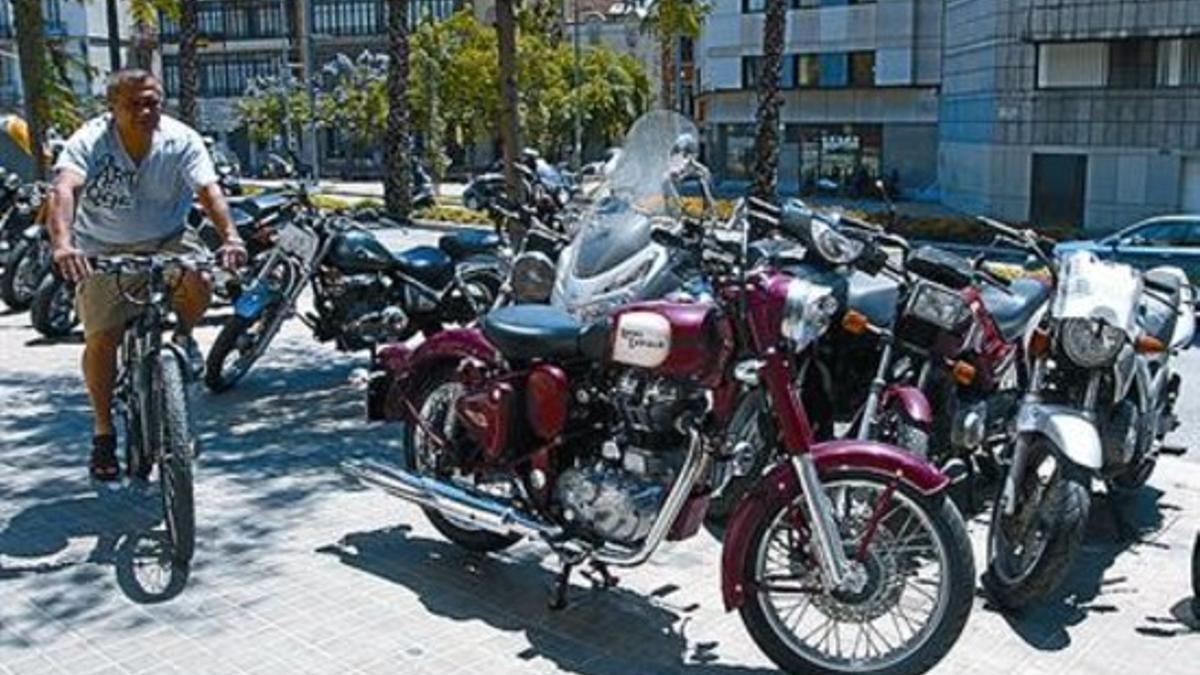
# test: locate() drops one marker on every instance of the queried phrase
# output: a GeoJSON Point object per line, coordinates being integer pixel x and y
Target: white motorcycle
{"type": "Point", "coordinates": [611, 258]}
{"type": "Point", "coordinates": [1099, 399]}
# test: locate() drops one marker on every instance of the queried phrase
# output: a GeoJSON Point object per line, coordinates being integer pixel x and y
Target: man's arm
{"type": "Point", "coordinates": [233, 252]}
{"type": "Point", "coordinates": [60, 217]}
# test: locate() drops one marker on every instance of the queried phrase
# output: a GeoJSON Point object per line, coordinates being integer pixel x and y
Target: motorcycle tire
{"type": "Point", "coordinates": [52, 312]}
{"type": "Point", "coordinates": [15, 293]}
{"type": "Point", "coordinates": [956, 591]}
{"type": "Point", "coordinates": [1196, 578]}
{"type": "Point", "coordinates": [745, 426]}
{"type": "Point", "coordinates": [479, 541]}
{"type": "Point", "coordinates": [217, 377]}
{"type": "Point", "coordinates": [1067, 509]}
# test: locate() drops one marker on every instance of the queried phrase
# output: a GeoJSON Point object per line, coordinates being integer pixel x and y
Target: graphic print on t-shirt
{"type": "Point", "coordinates": [112, 186]}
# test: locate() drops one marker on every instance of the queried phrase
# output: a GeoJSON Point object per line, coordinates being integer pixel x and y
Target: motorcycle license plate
{"type": "Point", "coordinates": [251, 302]}
{"type": "Point", "coordinates": [297, 241]}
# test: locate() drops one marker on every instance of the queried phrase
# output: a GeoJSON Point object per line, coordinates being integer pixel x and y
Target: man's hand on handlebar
{"type": "Point", "coordinates": [232, 255]}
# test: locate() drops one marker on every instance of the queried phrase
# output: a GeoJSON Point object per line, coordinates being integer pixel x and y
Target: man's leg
{"type": "Point", "coordinates": [191, 300]}
{"type": "Point", "coordinates": [100, 374]}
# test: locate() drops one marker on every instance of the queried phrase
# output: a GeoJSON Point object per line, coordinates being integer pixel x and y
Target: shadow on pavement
{"type": "Point", "coordinates": [600, 632]}
{"type": "Point", "coordinates": [1117, 525]}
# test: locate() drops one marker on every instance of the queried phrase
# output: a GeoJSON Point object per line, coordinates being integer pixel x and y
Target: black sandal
{"type": "Point", "coordinates": [104, 466]}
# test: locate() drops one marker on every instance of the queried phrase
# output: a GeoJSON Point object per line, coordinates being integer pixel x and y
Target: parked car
{"type": "Point", "coordinates": [1160, 240]}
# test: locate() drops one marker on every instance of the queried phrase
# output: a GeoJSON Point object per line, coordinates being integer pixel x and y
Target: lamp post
{"type": "Point", "coordinates": [310, 61]}
{"type": "Point", "coordinates": [576, 77]}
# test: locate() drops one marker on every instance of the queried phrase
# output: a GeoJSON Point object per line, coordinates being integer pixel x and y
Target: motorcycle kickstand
{"type": "Point", "coordinates": [562, 583]}
{"type": "Point", "coordinates": [600, 576]}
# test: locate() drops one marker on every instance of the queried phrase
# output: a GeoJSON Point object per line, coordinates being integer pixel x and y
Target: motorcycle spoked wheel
{"type": "Point", "coordinates": [434, 402]}
{"type": "Point", "coordinates": [1030, 552]}
{"type": "Point", "coordinates": [1196, 578]}
{"type": "Point", "coordinates": [244, 340]}
{"type": "Point", "coordinates": [53, 310]}
{"type": "Point", "coordinates": [919, 588]}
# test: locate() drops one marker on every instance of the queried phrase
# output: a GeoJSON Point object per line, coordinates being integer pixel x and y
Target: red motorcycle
{"type": "Point", "coordinates": [601, 440]}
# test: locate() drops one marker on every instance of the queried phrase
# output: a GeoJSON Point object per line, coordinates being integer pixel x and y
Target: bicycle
{"type": "Point", "coordinates": [151, 394]}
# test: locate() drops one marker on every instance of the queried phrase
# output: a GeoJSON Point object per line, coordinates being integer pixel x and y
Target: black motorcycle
{"type": "Point", "coordinates": [28, 257]}
{"type": "Point", "coordinates": [363, 294]}
{"type": "Point", "coordinates": [10, 231]}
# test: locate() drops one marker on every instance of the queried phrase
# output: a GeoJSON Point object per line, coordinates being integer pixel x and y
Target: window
{"type": "Point", "coordinates": [808, 70]}
{"type": "Point", "coordinates": [1057, 190]}
{"type": "Point", "coordinates": [862, 69]}
{"type": "Point", "coordinates": [1162, 234]}
{"type": "Point", "coordinates": [1072, 64]}
{"type": "Point", "coordinates": [1132, 64]}
{"type": "Point", "coordinates": [835, 71]}
{"type": "Point", "coordinates": [752, 71]}
{"type": "Point", "coordinates": [807, 4]}
{"type": "Point", "coordinates": [753, 6]}
{"type": "Point", "coordinates": [1179, 63]}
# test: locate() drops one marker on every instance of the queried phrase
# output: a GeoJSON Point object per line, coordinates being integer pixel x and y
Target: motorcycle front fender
{"type": "Point", "coordinates": [402, 370]}
{"type": "Point", "coordinates": [780, 486]}
{"type": "Point", "coordinates": [911, 401]}
{"type": "Point", "coordinates": [1073, 434]}
{"type": "Point", "coordinates": [254, 299]}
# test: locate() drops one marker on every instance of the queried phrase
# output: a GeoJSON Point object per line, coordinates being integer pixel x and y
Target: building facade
{"type": "Point", "coordinates": [1082, 113]}
{"type": "Point", "coordinates": [860, 83]}
{"type": "Point", "coordinates": [81, 28]}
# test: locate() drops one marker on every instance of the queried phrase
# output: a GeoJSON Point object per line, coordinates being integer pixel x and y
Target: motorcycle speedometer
{"type": "Point", "coordinates": [834, 246]}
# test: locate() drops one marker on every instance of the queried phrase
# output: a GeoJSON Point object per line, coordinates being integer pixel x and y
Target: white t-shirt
{"type": "Point", "coordinates": [124, 203]}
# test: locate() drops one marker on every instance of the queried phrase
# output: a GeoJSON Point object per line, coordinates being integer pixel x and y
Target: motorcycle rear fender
{"type": "Point", "coordinates": [780, 486]}
{"type": "Point", "coordinates": [1070, 432]}
{"type": "Point", "coordinates": [912, 402]}
{"type": "Point", "coordinates": [400, 370]}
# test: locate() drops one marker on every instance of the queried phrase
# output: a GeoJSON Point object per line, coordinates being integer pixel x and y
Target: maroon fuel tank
{"type": "Point", "coordinates": [687, 340]}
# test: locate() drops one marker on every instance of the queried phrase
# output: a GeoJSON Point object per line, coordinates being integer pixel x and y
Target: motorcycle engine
{"type": "Point", "coordinates": [617, 495]}
{"type": "Point", "coordinates": [359, 313]}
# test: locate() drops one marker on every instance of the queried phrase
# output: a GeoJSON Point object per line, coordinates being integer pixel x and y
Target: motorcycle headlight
{"type": "Point", "coordinates": [12, 181]}
{"type": "Point", "coordinates": [834, 246]}
{"type": "Point", "coordinates": [532, 277]}
{"type": "Point", "coordinates": [807, 311]}
{"type": "Point", "coordinates": [1091, 344]}
{"type": "Point", "coordinates": [941, 307]}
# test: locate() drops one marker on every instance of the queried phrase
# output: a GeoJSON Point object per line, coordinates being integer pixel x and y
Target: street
{"type": "Point", "coordinates": [300, 570]}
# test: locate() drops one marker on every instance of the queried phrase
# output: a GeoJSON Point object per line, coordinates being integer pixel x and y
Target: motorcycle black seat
{"type": "Point", "coordinates": [1158, 318]}
{"type": "Point", "coordinates": [1013, 310]}
{"type": "Point", "coordinates": [426, 264]}
{"type": "Point", "coordinates": [466, 243]}
{"type": "Point", "coordinates": [527, 332]}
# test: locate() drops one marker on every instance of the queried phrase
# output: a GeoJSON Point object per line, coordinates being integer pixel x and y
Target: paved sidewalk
{"type": "Point", "coordinates": [298, 570]}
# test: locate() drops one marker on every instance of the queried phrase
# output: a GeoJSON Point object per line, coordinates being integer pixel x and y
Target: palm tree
{"type": "Point", "coordinates": [766, 141]}
{"type": "Point", "coordinates": [397, 190]}
{"type": "Point", "coordinates": [145, 34]}
{"type": "Point", "coordinates": [31, 52]}
{"type": "Point", "coordinates": [670, 20]}
{"type": "Point", "coordinates": [189, 68]}
{"type": "Point", "coordinates": [510, 132]}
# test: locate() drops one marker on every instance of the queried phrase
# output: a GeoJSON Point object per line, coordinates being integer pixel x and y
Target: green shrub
{"type": "Point", "coordinates": [453, 214]}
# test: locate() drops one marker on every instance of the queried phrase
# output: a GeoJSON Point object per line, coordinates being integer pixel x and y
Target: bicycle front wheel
{"type": "Point", "coordinates": [175, 460]}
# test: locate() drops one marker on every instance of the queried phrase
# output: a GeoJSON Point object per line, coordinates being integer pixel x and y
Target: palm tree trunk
{"type": "Point", "coordinates": [766, 142]}
{"type": "Point", "coordinates": [31, 52]}
{"type": "Point", "coordinates": [510, 132]}
{"type": "Point", "coordinates": [397, 189]}
{"type": "Point", "coordinates": [666, 57]}
{"type": "Point", "coordinates": [142, 54]}
{"type": "Point", "coordinates": [189, 75]}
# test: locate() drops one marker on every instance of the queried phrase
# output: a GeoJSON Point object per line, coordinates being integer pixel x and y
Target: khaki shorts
{"type": "Point", "coordinates": [99, 299]}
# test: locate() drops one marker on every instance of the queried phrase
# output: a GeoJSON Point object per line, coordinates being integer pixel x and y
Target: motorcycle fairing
{"type": "Point", "coordinates": [780, 486]}
{"type": "Point", "coordinates": [1090, 288]}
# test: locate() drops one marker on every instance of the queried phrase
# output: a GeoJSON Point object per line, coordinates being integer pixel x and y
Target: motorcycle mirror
{"type": "Point", "coordinates": [685, 147]}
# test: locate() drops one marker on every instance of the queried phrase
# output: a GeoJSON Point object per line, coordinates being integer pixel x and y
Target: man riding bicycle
{"type": "Point", "coordinates": [132, 172]}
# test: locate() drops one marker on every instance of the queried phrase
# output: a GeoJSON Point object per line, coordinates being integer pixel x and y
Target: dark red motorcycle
{"type": "Point", "coordinates": [601, 441]}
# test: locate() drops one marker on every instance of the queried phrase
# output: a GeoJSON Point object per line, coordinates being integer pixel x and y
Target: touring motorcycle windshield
{"type": "Point", "coordinates": [1090, 288]}
{"type": "Point", "coordinates": [637, 190]}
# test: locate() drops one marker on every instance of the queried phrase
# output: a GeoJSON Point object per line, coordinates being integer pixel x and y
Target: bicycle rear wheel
{"type": "Point", "coordinates": [175, 459]}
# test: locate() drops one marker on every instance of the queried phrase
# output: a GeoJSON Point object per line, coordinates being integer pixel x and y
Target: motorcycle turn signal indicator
{"type": "Point", "coordinates": [1039, 343]}
{"type": "Point", "coordinates": [964, 373]}
{"type": "Point", "coordinates": [855, 323]}
{"type": "Point", "coordinates": [1148, 344]}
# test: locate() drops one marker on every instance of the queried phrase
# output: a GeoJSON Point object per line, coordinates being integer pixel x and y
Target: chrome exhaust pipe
{"type": "Point", "coordinates": [468, 509]}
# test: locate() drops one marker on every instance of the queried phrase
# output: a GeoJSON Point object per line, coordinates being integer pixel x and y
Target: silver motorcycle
{"type": "Point", "coordinates": [1099, 401]}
